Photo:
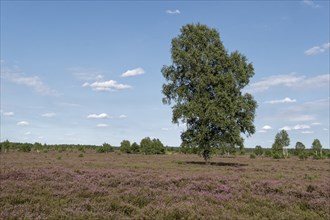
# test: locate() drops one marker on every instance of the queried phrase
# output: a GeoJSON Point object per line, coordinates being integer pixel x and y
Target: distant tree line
{"type": "Point", "coordinates": [279, 149]}
{"type": "Point", "coordinates": [146, 146]}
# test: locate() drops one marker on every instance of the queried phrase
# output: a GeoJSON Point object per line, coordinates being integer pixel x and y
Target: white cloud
{"type": "Point", "coordinates": [275, 80]}
{"type": "Point", "coordinates": [325, 129]}
{"type": "Point", "coordinates": [326, 45]}
{"type": "Point", "coordinates": [49, 115]}
{"type": "Point", "coordinates": [285, 100]}
{"type": "Point", "coordinates": [286, 128]}
{"type": "Point", "coordinates": [100, 116]}
{"type": "Point", "coordinates": [301, 127]}
{"type": "Point", "coordinates": [176, 11]}
{"type": "Point", "coordinates": [15, 75]}
{"type": "Point", "coordinates": [8, 113]}
{"type": "Point", "coordinates": [307, 132]}
{"type": "Point", "coordinates": [165, 129]}
{"type": "Point", "coordinates": [122, 116]}
{"type": "Point", "coordinates": [262, 131]}
{"type": "Point", "coordinates": [310, 3]}
{"type": "Point", "coordinates": [102, 125]}
{"type": "Point", "coordinates": [110, 85]}
{"type": "Point", "coordinates": [291, 80]}
{"type": "Point", "coordinates": [267, 127]}
{"type": "Point", "coordinates": [134, 72]}
{"type": "Point", "coordinates": [317, 49]}
{"type": "Point", "coordinates": [27, 133]}
{"type": "Point", "coordinates": [316, 123]}
{"type": "Point", "coordinates": [296, 127]}
{"type": "Point", "coordinates": [23, 123]}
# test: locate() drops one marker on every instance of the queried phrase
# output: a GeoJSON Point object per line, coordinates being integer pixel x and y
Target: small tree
{"type": "Point", "coordinates": [282, 141]}
{"type": "Point", "coordinates": [125, 147]}
{"type": "Point", "coordinates": [299, 148]}
{"type": "Point", "coordinates": [317, 148]}
{"type": "Point", "coordinates": [258, 150]}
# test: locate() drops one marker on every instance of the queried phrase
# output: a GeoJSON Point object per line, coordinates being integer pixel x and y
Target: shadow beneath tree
{"type": "Point", "coordinates": [223, 164]}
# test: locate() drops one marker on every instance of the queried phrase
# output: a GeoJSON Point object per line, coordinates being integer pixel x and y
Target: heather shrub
{"type": "Point", "coordinates": [80, 155]}
{"type": "Point", "coordinates": [252, 156]}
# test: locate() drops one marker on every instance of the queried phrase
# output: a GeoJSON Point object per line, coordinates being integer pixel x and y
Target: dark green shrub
{"type": "Point", "coordinates": [125, 147]}
{"type": "Point", "coordinates": [268, 153]}
{"type": "Point", "coordinates": [25, 147]}
{"type": "Point", "coordinates": [252, 156]}
{"type": "Point", "coordinates": [105, 148]}
{"type": "Point", "coordinates": [154, 146]}
{"type": "Point", "coordinates": [277, 155]}
{"type": "Point", "coordinates": [135, 148]}
{"type": "Point", "coordinates": [258, 150]}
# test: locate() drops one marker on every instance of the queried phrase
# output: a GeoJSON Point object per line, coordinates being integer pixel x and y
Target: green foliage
{"type": "Point", "coordinates": [82, 149]}
{"type": "Point", "coordinates": [253, 156]}
{"type": "Point", "coordinates": [282, 140]}
{"type": "Point", "coordinates": [205, 82]}
{"type": "Point", "coordinates": [80, 155]}
{"type": "Point", "coordinates": [5, 146]}
{"type": "Point", "coordinates": [125, 147]}
{"type": "Point", "coordinates": [299, 148]}
{"type": "Point", "coordinates": [317, 148]}
{"type": "Point", "coordinates": [268, 153]}
{"type": "Point", "coordinates": [303, 155]}
{"type": "Point", "coordinates": [188, 149]}
{"type": "Point", "coordinates": [154, 146]}
{"type": "Point", "coordinates": [135, 148]}
{"type": "Point", "coordinates": [105, 148]}
{"type": "Point", "coordinates": [26, 147]}
{"type": "Point", "coordinates": [258, 150]}
{"type": "Point", "coordinates": [227, 149]}
{"type": "Point", "coordinates": [277, 155]}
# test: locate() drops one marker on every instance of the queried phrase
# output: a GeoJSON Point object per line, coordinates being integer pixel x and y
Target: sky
{"type": "Point", "coordinates": [89, 72]}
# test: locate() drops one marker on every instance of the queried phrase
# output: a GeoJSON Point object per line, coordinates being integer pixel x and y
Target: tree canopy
{"type": "Point", "coordinates": [317, 148]}
{"type": "Point", "coordinates": [205, 82]}
{"type": "Point", "coordinates": [282, 140]}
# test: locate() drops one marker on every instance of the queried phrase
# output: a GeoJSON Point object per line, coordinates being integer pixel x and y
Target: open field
{"type": "Point", "coordinates": [64, 185]}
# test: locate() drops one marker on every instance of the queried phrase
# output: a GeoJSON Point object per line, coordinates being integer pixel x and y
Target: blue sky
{"type": "Point", "coordinates": [89, 72]}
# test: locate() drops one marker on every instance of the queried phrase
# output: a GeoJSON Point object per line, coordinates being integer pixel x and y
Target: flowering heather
{"type": "Point", "coordinates": [121, 186]}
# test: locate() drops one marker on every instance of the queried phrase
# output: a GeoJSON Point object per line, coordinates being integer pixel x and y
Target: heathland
{"type": "Point", "coordinates": [89, 185]}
